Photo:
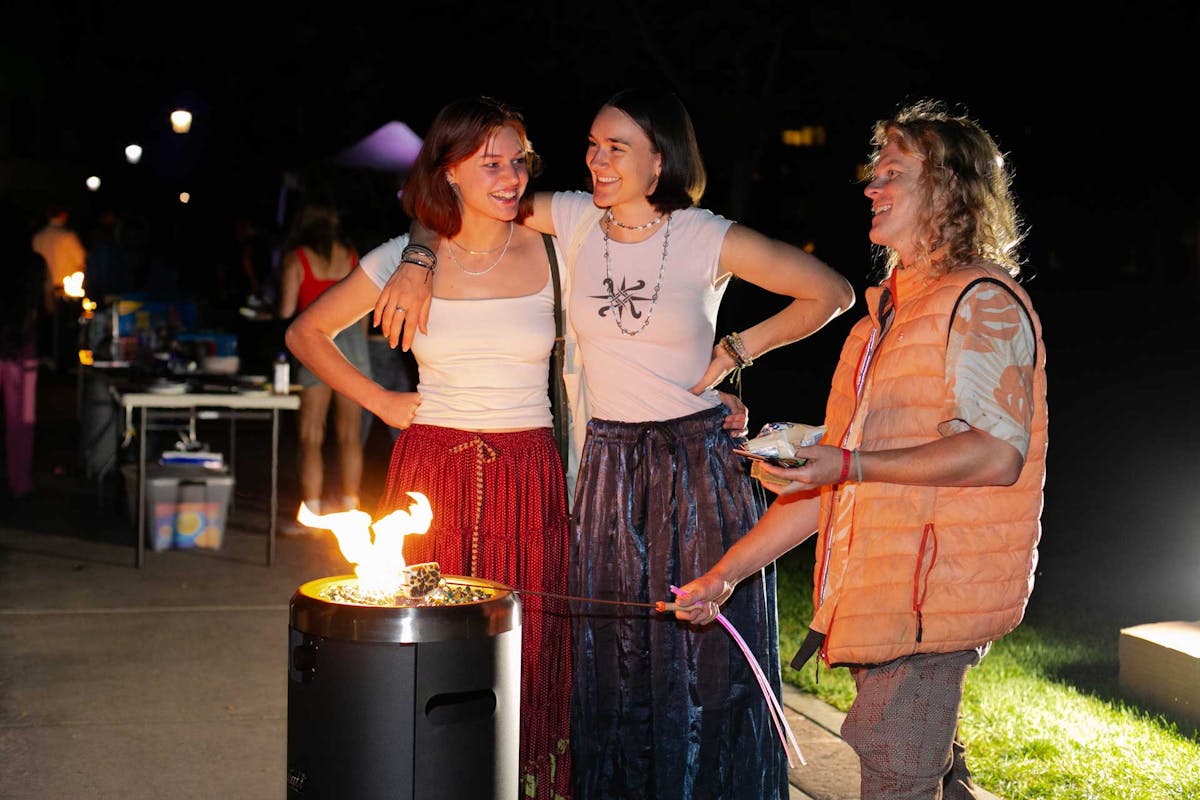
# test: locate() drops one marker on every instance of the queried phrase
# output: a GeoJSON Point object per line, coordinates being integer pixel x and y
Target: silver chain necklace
{"type": "Point", "coordinates": [612, 298]}
{"type": "Point", "coordinates": [499, 258]}
{"type": "Point", "coordinates": [642, 227]}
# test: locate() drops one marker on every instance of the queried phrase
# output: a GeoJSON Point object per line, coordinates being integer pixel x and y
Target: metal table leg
{"type": "Point", "coordinates": [141, 527]}
{"type": "Point", "coordinates": [274, 485]}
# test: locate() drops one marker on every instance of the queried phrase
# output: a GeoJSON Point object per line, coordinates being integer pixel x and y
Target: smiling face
{"type": "Point", "coordinates": [492, 179]}
{"type": "Point", "coordinates": [896, 197]}
{"type": "Point", "coordinates": [622, 161]}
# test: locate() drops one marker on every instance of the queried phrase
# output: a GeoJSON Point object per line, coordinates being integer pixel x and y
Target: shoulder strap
{"type": "Point", "coordinates": [556, 385]}
{"type": "Point", "coordinates": [548, 241]}
{"type": "Point", "coordinates": [589, 218]}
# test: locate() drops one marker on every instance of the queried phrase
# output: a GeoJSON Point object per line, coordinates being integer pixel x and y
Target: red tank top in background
{"type": "Point", "coordinates": [311, 286]}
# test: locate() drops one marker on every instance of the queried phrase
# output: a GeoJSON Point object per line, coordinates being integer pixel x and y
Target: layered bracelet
{"type": "Point", "coordinates": [850, 457]}
{"type": "Point", "coordinates": [736, 348]}
{"type": "Point", "coordinates": [421, 256]}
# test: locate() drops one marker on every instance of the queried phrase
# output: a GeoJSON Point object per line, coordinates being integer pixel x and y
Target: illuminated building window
{"type": "Point", "coordinates": [808, 136]}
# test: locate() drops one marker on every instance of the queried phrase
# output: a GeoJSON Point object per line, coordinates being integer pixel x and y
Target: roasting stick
{"type": "Point", "coordinates": [782, 727]}
{"type": "Point", "coordinates": [661, 606]}
{"type": "Point", "coordinates": [773, 705]}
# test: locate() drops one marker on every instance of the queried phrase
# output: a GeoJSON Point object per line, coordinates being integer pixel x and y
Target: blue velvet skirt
{"type": "Point", "coordinates": [662, 709]}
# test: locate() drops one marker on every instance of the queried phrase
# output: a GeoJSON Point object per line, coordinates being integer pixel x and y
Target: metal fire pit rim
{"type": "Point", "coordinates": [311, 614]}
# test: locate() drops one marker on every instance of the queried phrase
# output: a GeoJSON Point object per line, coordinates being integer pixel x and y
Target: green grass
{"type": "Point", "coordinates": [1043, 716]}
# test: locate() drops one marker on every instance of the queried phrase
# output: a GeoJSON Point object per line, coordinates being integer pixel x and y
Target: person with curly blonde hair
{"type": "Point", "coordinates": [926, 491]}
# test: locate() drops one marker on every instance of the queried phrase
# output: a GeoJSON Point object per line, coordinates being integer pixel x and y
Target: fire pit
{"type": "Point", "coordinates": [403, 701]}
{"type": "Point", "coordinates": [402, 692]}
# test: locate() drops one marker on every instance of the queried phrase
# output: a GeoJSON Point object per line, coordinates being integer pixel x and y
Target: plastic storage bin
{"type": "Point", "coordinates": [186, 506]}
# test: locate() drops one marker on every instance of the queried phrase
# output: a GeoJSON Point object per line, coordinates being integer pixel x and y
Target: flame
{"type": "Point", "coordinates": [379, 564]}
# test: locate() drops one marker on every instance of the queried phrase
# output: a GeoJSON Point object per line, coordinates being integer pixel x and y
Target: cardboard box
{"type": "Point", "coordinates": [186, 506]}
{"type": "Point", "coordinates": [1160, 665]}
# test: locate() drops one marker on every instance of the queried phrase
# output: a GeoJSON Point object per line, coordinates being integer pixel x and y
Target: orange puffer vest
{"type": "Point", "coordinates": [921, 569]}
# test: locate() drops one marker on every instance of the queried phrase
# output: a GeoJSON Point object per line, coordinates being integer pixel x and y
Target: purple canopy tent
{"type": "Point", "coordinates": [390, 149]}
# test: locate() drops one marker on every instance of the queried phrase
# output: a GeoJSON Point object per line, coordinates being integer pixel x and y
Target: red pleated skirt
{"type": "Point", "coordinates": [499, 513]}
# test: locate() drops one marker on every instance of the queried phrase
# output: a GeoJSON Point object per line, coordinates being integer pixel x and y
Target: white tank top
{"type": "Point", "coordinates": [485, 363]}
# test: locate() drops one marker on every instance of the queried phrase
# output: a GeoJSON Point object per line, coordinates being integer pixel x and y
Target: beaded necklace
{"type": "Point", "coordinates": [499, 258]}
{"type": "Point", "coordinates": [642, 227]}
{"type": "Point", "coordinates": [612, 298]}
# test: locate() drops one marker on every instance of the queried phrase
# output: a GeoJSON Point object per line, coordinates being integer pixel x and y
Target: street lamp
{"type": "Point", "coordinates": [181, 120]}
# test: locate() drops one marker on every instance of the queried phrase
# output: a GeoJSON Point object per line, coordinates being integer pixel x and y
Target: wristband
{"type": "Point", "coordinates": [857, 467]}
{"type": "Point", "coordinates": [422, 249]}
{"type": "Point", "coordinates": [845, 466]}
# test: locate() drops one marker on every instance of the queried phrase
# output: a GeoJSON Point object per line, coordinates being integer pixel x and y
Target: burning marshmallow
{"type": "Point", "coordinates": [421, 579]}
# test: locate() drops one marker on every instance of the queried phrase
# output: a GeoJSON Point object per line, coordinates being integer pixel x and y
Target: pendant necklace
{"type": "Point", "coordinates": [499, 258]}
{"type": "Point", "coordinates": [612, 298]}
{"type": "Point", "coordinates": [642, 227]}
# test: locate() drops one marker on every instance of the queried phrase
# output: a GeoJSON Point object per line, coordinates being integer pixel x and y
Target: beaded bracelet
{"type": "Point", "coordinates": [736, 348]}
{"type": "Point", "coordinates": [845, 466]}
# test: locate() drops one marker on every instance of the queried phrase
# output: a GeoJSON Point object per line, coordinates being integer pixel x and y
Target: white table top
{"type": "Point", "coordinates": [264, 400]}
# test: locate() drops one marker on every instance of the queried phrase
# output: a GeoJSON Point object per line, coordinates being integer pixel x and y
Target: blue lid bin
{"type": "Point", "coordinates": [186, 506]}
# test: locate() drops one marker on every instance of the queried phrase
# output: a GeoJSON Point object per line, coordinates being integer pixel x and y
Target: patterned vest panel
{"type": "Point", "coordinates": [922, 569]}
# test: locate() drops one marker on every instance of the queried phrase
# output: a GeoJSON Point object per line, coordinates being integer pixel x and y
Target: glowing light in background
{"type": "Point", "coordinates": [185, 197]}
{"type": "Point", "coordinates": [181, 120]}
{"type": "Point", "coordinates": [133, 153]}
{"type": "Point", "coordinates": [93, 182]}
{"type": "Point", "coordinates": [73, 285]}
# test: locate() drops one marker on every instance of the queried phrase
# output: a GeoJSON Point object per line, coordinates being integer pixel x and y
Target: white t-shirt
{"type": "Point", "coordinates": [646, 376]}
{"type": "Point", "coordinates": [485, 363]}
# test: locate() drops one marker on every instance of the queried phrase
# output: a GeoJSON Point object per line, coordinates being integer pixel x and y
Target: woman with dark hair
{"type": "Point", "coordinates": [660, 709]}
{"type": "Point", "coordinates": [317, 257]}
{"type": "Point", "coordinates": [478, 440]}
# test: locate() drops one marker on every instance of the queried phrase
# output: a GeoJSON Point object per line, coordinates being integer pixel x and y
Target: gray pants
{"type": "Point", "coordinates": [903, 725]}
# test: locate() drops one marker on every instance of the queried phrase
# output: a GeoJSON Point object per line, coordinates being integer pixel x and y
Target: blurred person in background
{"type": "Point", "coordinates": [317, 257]}
{"type": "Point", "coordinates": [61, 247]}
{"type": "Point", "coordinates": [108, 266]}
{"type": "Point", "coordinates": [28, 279]}
{"type": "Point", "coordinates": [65, 255]}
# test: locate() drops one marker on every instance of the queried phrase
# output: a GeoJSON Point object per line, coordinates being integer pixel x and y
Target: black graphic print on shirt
{"type": "Point", "coordinates": [619, 300]}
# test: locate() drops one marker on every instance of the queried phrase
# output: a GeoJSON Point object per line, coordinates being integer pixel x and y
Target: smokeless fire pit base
{"type": "Point", "coordinates": [399, 702]}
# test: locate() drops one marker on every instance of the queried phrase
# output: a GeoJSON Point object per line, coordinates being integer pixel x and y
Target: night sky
{"type": "Point", "coordinates": [1092, 108]}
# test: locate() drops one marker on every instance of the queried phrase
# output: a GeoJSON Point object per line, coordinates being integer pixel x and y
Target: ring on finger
{"type": "Point", "coordinates": [399, 309]}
